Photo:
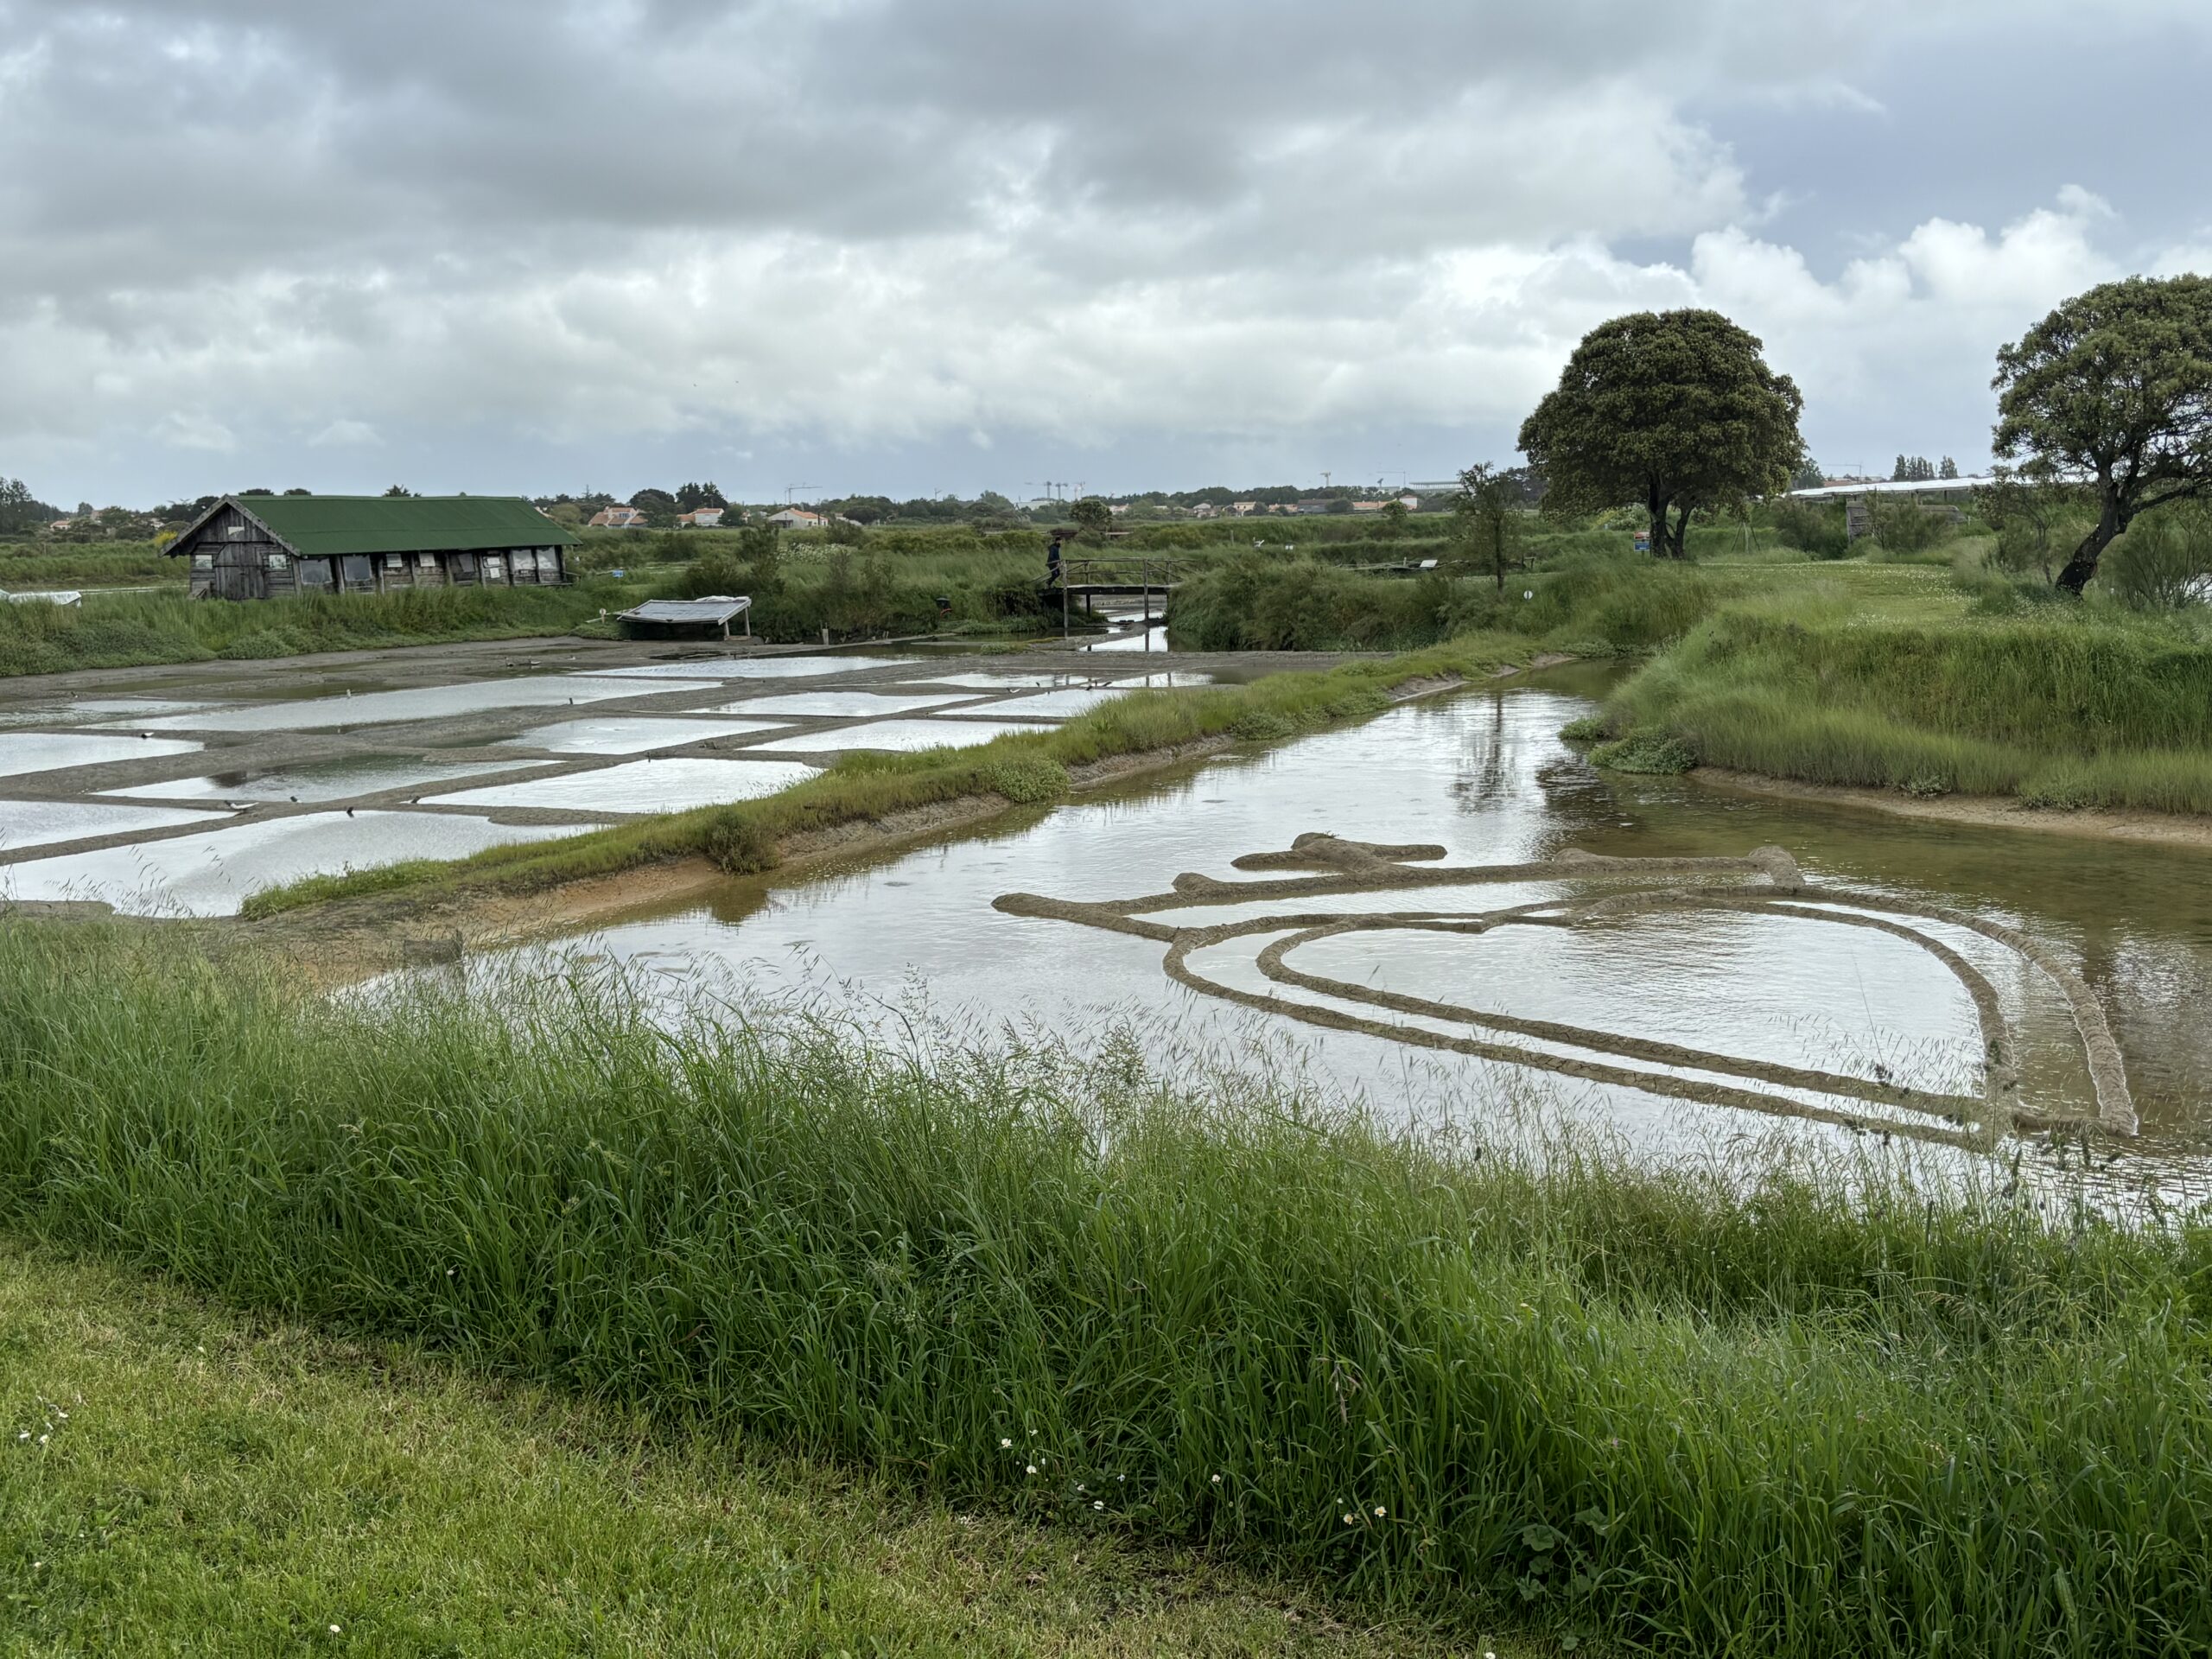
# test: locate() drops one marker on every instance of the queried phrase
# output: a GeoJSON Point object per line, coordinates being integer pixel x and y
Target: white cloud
{"type": "Point", "coordinates": [182, 430]}
{"type": "Point", "coordinates": [345, 433]}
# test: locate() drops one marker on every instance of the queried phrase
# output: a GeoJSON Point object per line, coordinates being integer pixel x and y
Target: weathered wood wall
{"type": "Point", "coordinates": [232, 557]}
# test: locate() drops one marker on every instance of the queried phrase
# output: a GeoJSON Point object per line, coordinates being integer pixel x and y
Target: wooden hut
{"type": "Point", "coordinates": [274, 546]}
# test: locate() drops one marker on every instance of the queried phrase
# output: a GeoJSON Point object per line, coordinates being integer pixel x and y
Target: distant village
{"type": "Point", "coordinates": [703, 506]}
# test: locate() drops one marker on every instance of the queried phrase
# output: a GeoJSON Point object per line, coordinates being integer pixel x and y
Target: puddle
{"type": "Point", "coordinates": [898, 735]}
{"type": "Point", "coordinates": [22, 752]}
{"type": "Point", "coordinates": [39, 824]}
{"type": "Point", "coordinates": [642, 786]}
{"type": "Point", "coordinates": [425, 703]}
{"type": "Point", "coordinates": [1152, 638]}
{"type": "Point", "coordinates": [1014, 679]}
{"type": "Point", "coordinates": [86, 709]}
{"type": "Point", "coordinates": [754, 667]}
{"type": "Point", "coordinates": [210, 874]}
{"type": "Point", "coordinates": [1057, 705]}
{"type": "Point", "coordinates": [1483, 774]}
{"type": "Point", "coordinates": [829, 705]}
{"type": "Point", "coordinates": [321, 781]}
{"type": "Point", "coordinates": [632, 736]}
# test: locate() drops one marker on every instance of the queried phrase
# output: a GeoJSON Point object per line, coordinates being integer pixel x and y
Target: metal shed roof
{"type": "Point", "coordinates": [322, 526]}
{"type": "Point", "coordinates": [716, 607]}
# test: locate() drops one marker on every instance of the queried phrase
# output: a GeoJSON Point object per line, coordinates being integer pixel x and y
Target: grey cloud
{"type": "Point", "coordinates": [884, 223]}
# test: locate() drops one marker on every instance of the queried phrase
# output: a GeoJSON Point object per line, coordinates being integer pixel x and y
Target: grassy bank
{"type": "Point", "coordinates": [1697, 1413]}
{"type": "Point", "coordinates": [86, 564]}
{"type": "Point", "coordinates": [1587, 605]}
{"type": "Point", "coordinates": [2066, 708]}
{"type": "Point", "coordinates": [867, 788]}
{"type": "Point", "coordinates": [129, 630]}
{"type": "Point", "coordinates": [261, 1479]}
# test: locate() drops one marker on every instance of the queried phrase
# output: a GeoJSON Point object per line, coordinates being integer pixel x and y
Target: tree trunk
{"type": "Point", "coordinates": [1677, 542]}
{"type": "Point", "coordinates": [2083, 565]}
{"type": "Point", "coordinates": [1655, 504]}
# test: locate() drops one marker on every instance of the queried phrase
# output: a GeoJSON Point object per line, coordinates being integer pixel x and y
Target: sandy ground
{"type": "Point", "coordinates": [2001, 811]}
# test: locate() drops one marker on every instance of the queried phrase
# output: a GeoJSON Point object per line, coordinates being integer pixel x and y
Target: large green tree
{"type": "Point", "coordinates": [1668, 410]}
{"type": "Point", "coordinates": [2113, 389]}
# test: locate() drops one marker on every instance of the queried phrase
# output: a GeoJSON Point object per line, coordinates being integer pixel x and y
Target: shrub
{"type": "Point", "coordinates": [739, 845]}
{"type": "Point", "coordinates": [2164, 562]}
{"type": "Point", "coordinates": [1026, 779]}
{"type": "Point", "coordinates": [1591, 729]}
{"type": "Point", "coordinates": [1814, 528]}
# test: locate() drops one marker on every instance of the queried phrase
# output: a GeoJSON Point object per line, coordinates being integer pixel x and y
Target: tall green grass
{"type": "Point", "coordinates": [1258, 603]}
{"type": "Point", "coordinates": [1742, 1411]}
{"type": "Point", "coordinates": [2059, 708]}
{"type": "Point", "coordinates": [127, 630]}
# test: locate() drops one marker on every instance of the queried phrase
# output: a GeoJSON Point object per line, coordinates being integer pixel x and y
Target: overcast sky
{"type": "Point", "coordinates": [907, 247]}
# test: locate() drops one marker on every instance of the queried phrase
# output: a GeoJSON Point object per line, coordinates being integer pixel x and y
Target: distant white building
{"type": "Point", "coordinates": [703, 519]}
{"type": "Point", "coordinates": [618, 519]}
{"type": "Point", "coordinates": [798, 518]}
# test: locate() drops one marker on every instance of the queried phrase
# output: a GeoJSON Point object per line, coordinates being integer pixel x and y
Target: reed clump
{"type": "Point", "coordinates": [1760, 1408]}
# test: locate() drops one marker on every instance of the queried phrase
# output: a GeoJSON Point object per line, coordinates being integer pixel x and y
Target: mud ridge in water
{"type": "Point", "coordinates": [1778, 887]}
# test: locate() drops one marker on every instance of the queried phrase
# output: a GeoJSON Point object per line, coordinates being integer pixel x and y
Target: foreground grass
{"type": "Point", "coordinates": [1745, 1411]}
{"type": "Point", "coordinates": [224, 1484]}
{"type": "Point", "coordinates": [867, 788]}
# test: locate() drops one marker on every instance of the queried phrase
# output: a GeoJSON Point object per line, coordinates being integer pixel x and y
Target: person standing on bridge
{"type": "Point", "coordinates": [1052, 562]}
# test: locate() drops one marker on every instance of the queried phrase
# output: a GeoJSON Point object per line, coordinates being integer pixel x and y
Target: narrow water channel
{"type": "Point", "coordinates": [1483, 773]}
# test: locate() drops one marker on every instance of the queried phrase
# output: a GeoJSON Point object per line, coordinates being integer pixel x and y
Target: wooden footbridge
{"type": "Point", "coordinates": [1123, 576]}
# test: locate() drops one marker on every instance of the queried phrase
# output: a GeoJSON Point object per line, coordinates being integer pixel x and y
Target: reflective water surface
{"type": "Point", "coordinates": [641, 787]}
{"type": "Point", "coordinates": [211, 875]}
{"type": "Point", "coordinates": [1484, 774]}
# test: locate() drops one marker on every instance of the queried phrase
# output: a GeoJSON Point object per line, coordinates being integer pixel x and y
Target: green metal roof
{"type": "Point", "coordinates": [320, 526]}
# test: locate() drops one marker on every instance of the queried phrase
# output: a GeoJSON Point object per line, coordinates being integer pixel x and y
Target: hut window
{"type": "Point", "coordinates": [315, 573]}
{"type": "Point", "coordinates": [203, 560]}
{"type": "Point", "coordinates": [525, 563]}
{"type": "Point", "coordinates": [495, 568]}
{"type": "Point", "coordinates": [236, 532]}
{"type": "Point", "coordinates": [359, 571]}
{"type": "Point", "coordinates": [279, 560]}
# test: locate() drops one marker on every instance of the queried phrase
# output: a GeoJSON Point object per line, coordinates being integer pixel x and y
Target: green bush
{"type": "Point", "coordinates": [1813, 528]}
{"type": "Point", "coordinates": [2162, 562]}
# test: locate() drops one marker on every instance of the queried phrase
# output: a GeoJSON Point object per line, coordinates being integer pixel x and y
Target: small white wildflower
{"type": "Point", "coordinates": [1004, 1445]}
{"type": "Point", "coordinates": [333, 1630]}
{"type": "Point", "coordinates": [1217, 1480]}
{"type": "Point", "coordinates": [1121, 1478]}
{"type": "Point", "coordinates": [448, 1273]}
{"type": "Point", "coordinates": [1350, 1517]}
{"type": "Point", "coordinates": [1032, 1468]}
{"type": "Point", "coordinates": [1380, 1511]}
{"type": "Point", "coordinates": [62, 1414]}
{"type": "Point", "coordinates": [43, 1439]}
{"type": "Point", "coordinates": [1097, 1503]}
{"type": "Point", "coordinates": [1080, 1487]}
{"type": "Point", "coordinates": [25, 1435]}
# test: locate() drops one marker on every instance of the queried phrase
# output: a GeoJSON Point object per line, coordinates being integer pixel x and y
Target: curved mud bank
{"type": "Point", "coordinates": [1979, 811]}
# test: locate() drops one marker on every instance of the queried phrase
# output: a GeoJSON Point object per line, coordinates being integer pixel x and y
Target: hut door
{"type": "Point", "coordinates": [239, 570]}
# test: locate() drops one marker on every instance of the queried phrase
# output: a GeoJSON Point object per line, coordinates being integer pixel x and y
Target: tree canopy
{"type": "Point", "coordinates": [2113, 387]}
{"type": "Point", "coordinates": [1672, 411]}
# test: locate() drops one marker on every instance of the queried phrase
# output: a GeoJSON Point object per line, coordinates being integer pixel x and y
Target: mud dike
{"type": "Point", "coordinates": [1767, 882]}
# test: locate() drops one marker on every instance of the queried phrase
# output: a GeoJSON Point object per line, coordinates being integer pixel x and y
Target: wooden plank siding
{"type": "Point", "coordinates": [233, 557]}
